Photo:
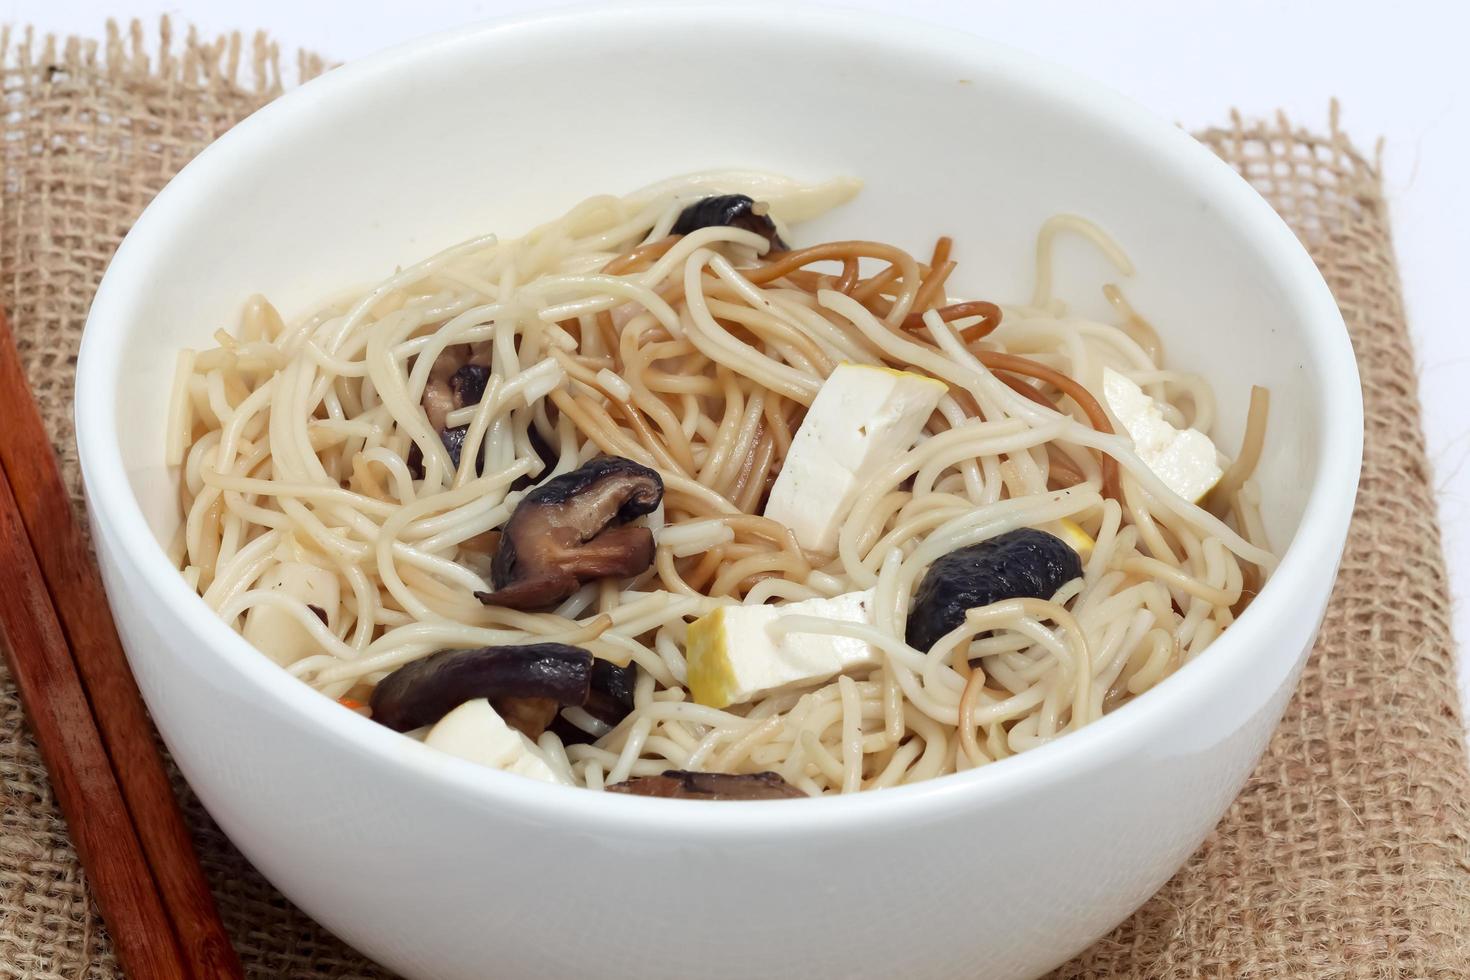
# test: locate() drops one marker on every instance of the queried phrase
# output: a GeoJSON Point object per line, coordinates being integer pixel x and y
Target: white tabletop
{"type": "Point", "coordinates": [1399, 72]}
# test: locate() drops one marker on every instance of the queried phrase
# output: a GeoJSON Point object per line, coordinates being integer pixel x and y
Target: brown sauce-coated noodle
{"type": "Point", "coordinates": [988, 313]}
{"type": "Point", "coordinates": [930, 288]}
{"type": "Point", "coordinates": [1014, 364]}
{"type": "Point", "coordinates": [1244, 464]}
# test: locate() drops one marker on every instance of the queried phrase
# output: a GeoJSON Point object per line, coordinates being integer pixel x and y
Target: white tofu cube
{"type": "Point", "coordinates": [862, 418]}
{"type": "Point", "coordinates": [475, 731]}
{"type": "Point", "coordinates": [1185, 459]}
{"type": "Point", "coordinates": [277, 633]}
{"type": "Point", "coordinates": [733, 658]}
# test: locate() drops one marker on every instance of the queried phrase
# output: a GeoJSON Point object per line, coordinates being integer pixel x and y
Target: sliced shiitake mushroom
{"type": "Point", "coordinates": [572, 529]}
{"type": "Point", "coordinates": [731, 210]}
{"type": "Point", "coordinates": [468, 384]}
{"type": "Point", "coordinates": [438, 399]}
{"type": "Point", "coordinates": [682, 784]}
{"type": "Point", "coordinates": [468, 387]}
{"type": "Point", "coordinates": [453, 440]}
{"type": "Point", "coordinates": [1024, 563]}
{"type": "Point", "coordinates": [455, 381]}
{"type": "Point", "coordinates": [531, 715]}
{"type": "Point", "coordinates": [610, 700]}
{"type": "Point", "coordinates": [422, 692]}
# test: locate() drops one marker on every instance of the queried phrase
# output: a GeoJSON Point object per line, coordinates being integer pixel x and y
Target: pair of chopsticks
{"type": "Point", "coordinates": [88, 718]}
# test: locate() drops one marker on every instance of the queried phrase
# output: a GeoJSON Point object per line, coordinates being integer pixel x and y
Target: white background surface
{"type": "Point", "coordinates": [1398, 69]}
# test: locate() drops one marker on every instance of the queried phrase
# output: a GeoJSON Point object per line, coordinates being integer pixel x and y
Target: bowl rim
{"type": "Point", "coordinates": [1317, 544]}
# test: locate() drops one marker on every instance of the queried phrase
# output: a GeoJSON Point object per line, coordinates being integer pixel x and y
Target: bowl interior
{"type": "Point", "coordinates": [500, 129]}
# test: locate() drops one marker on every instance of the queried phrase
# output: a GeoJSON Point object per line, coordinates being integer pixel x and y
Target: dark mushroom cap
{"type": "Point", "coordinates": [569, 531]}
{"type": "Point", "coordinates": [732, 210]}
{"type": "Point", "coordinates": [685, 785]}
{"type": "Point", "coordinates": [453, 440]}
{"type": "Point", "coordinates": [468, 384]}
{"type": "Point", "coordinates": [1024, 563]}
{"type": "Point", "coordinates": [453, 383]}
{"type": "Point", "coordinates": [609, 701]}
{"type": "Point", "coordinates": [611, 697]}
{"type": "Point", "coordinates": [422, 692]}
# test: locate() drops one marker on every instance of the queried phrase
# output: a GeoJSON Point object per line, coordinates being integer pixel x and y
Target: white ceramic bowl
{"type": "Point", "coordinates": [441, 869]}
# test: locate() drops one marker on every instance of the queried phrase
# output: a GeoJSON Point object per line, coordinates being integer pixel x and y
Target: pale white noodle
{"type": "Point", "coordinates": [305, 445]}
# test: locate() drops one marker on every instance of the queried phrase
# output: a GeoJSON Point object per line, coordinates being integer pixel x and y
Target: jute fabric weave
{"type": "Point", "coordinates": [1347, 855]}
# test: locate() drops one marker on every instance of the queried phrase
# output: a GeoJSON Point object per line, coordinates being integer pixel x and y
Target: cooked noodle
{"type": "Point", "coordinates": [698, 355]}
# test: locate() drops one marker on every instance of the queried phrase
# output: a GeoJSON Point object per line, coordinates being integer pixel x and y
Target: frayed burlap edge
{"type": "Point", "coordinates": [136, 57]}
{"type": "Point", "coordinates": [1346, 857]}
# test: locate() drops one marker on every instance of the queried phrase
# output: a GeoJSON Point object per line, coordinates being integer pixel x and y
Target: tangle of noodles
{"type": "Point", "coordinates": [698, 355]}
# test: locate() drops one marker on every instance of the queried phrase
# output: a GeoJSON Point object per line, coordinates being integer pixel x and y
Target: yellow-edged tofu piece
{"type": "Point", "coordinates": [1072, 533]}
{"type": "Point", "coordinates": [733, 658]}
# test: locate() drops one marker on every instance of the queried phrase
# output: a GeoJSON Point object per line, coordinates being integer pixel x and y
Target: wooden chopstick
{"type": "Point", "coordinates": [65, 566]}
{"type": "Point", "coordinates": [81, 773]}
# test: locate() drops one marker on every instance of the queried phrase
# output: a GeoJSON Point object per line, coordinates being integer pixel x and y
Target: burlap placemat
{"type": "Point", "coordinates": [1347, 855]}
